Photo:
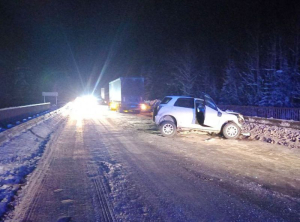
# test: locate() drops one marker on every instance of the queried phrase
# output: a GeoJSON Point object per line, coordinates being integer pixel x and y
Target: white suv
{"type": "Point", "coordinates": [181, 112]}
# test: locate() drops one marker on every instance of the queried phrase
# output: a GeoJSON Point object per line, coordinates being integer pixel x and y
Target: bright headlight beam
{"type": "Point", "coordinates": [143, 107]}
{"type": "Point", "coordinates": [85, 101]}
{"type": "Point", "coordinates": [85, 107]}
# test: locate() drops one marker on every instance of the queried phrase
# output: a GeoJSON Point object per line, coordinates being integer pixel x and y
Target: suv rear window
{"type": "Point", "coordinates": [185, 102]}
{"type": "Point", "coordinates": [166, 100]}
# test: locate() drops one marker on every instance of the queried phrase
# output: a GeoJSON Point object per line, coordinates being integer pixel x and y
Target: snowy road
{"type": "Point", "coordinates": [107, 166]}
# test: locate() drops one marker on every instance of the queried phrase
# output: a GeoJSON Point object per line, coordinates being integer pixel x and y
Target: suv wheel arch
{"type": "Point", "coordinates": [168, 118]}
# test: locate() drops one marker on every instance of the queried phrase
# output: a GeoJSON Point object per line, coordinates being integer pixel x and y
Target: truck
{"type": "Point", "coordinates": [126, 94]}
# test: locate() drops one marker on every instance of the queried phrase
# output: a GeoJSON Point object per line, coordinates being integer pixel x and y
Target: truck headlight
{"type": "Point", "coordinates": [143, 107]}
{"type": "Point", "coordinates": [113, 105]}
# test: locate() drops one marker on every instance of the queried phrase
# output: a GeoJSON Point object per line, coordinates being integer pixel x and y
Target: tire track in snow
{"type": "Point", "coordinates": [97, 178]}
{"type": "Point", "coordinates": [113, 139]}
{"type": "Point", "coordinates": [66, 165]}
{"type": "Point", "coordinates": [62, 166]}
{"type": "Point", "coordinates": [102, 195]}
{"type": "Point", "coordinates": [206, 190]}
{"type": "Point", "coordinates": [36, 180]}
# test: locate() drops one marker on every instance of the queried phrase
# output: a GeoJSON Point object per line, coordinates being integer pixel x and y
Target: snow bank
{"type": "Point", "coordinates": [273, 134]}
{"type": "Point", "coordinates": [19, 156]}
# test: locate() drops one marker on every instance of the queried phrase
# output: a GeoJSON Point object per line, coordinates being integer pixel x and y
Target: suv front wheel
{"type": "Point", "coordinates": [231, 131]}
{"type": "Point", "coordinates": [168, 128]}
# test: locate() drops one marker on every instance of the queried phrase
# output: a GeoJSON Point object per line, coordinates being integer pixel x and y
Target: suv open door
{"type": "Point", "coordinates": [211, 115]}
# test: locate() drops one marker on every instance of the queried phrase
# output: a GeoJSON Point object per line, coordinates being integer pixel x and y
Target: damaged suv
{"type": "Point", "coordinates": [181, 112]}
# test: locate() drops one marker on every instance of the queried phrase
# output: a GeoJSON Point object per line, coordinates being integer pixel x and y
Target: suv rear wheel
{"type": "Point", "coordinates": [168, 128]}
{"type": "Point", "coordinates": [231, 131]}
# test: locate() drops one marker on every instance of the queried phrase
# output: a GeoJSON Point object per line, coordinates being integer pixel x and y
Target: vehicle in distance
{"type": "Point", "coordinates": [181, 112]}
{"type": "Point", "coordinates": [126, 94]}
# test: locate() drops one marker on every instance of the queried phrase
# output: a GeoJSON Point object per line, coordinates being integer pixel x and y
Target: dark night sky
{"type": "Point", "coordinates": [75, 38]}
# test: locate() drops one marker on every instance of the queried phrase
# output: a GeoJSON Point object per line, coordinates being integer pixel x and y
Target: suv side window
{"type": "Point", "coordinates": [166, 100]}
{"type": "Point", "coordinates": [210, 103]}
{"type": "Point", "coordinates": [185, 102]}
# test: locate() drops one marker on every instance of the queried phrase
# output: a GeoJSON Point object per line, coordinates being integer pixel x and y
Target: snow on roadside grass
{"type": "Point", "coordinates": [19, 157]}
{"type": "Point", "coordinates": [273, 134]}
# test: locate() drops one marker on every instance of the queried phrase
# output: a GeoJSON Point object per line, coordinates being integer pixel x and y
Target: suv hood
{"type": "Point", "coordinates": [240, 117]}
{"type": "Point", "coordinates": [231, 112]}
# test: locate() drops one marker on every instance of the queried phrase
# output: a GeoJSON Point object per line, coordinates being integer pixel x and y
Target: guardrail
{"type": "Point", "coordinates": [7, 115]}
{"type": "Point", "coordinates": [266, 112]}
{"type": "Point", "coordinates": [11, 133]}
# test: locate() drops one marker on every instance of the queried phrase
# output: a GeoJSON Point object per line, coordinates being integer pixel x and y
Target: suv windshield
{"type": "Point", "coordinates": [210, 103]}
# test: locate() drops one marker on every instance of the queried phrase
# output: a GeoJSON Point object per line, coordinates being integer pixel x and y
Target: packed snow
{"type": "Point", "coordinates": [20, 156]}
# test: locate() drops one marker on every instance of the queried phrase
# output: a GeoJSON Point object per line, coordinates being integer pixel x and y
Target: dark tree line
{"type": "Point", "coordinates": [262, 67]}
{"type": "Point", "coordinates": [240, 52]}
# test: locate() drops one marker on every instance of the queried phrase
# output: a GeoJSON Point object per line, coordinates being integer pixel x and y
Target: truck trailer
{"type": "Point", "coordinates": [126, 94]}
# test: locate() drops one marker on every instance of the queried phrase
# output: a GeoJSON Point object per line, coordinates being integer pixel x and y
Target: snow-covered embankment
{"type": "Point", "coordinates": [20, 149]}
{"type": "Point", "coordinates": [282, 132]}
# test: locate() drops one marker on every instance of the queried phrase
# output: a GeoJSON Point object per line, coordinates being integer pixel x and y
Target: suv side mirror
{"type": "Point", "coordinates": [219, 114]}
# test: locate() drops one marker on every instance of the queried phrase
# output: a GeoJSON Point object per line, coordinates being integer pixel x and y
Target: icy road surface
{"type": "Point", "coordinates": [107, 166]}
